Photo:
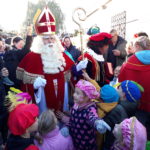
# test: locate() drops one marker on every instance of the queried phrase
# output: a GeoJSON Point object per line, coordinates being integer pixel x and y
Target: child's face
{"type": "Point", "coordinates": [121, 93]}
{"type": "Point", "coordinates": [117, 71]}
{"type": "Point", "coordinates": [80, 97]}
{"type": "Point", "coordinates": [34, 127]}
{"type": "Point", "coordinates": [117, 132]}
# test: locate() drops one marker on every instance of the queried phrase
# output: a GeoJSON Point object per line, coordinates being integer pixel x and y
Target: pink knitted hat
{"type": "Point", "coordinates": [134, 134]}
{"type": "Point", "coordinates": [88, 88]}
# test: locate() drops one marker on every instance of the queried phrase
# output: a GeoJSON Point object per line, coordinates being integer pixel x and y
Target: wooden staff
{"type": "Point", "coordinates": [80, 18]}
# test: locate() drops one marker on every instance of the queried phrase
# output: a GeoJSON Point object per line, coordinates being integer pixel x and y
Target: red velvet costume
{"type": "Point", "coordinates": [136, 71]}
{"type": "Point", "coordinates": [31, 67]}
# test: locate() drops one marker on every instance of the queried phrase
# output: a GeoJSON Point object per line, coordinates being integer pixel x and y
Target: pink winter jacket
{"type": "Point", "coordinates": [55, 141]}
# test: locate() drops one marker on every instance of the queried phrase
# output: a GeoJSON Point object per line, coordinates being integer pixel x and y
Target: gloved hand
{"type": "Point", "coordinates": [102, 126]}
{"type": "Point", "coordinates": [65, 131]}
{"type": "Point", "coordinates": [82, 64]}
{"type": "Point", "coordinates": [39, 82]}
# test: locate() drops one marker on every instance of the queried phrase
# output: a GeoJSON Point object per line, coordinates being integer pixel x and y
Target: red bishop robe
{"type": "Point", "coordinates": [31, 67]}
{"type": "Point", "coordinates": [136, 71]}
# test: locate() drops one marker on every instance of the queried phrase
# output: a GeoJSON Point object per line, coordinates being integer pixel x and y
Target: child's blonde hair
{"type": "Point", "coordinates": [143, 42]}
{"type": "Point", "coordinates": [47, 122]}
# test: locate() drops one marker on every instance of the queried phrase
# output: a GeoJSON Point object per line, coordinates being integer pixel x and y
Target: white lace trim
{"type": "Point", "coordinates": [99, 58]}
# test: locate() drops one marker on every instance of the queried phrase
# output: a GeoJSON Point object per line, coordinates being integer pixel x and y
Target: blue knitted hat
{"type": "Point", "coordinates": [109, 94]}
{"type": "Point", "coordinates": [131, 90]}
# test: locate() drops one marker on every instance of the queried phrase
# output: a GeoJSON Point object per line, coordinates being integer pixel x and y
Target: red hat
{"type": "Point", "coordinates": [32, 147]}
{"type": "Point", "coordinates": [22, 117]}
{"type": "Point", "coordinates": [100, 36]}
{"type": "Point", "coordinates": [45, 24]}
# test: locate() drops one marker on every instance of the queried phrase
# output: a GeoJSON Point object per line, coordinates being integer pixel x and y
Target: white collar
{"type": "Point", "coordinates": [99, 58]}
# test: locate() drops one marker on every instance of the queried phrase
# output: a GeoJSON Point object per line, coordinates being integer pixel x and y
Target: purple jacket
{"type": "Point", "coordinates": [55, 141]}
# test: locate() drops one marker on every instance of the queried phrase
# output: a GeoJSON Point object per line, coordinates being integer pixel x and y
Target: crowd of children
{"type": "Point", "coordinates": [94, 109]}
{"type": "Point", "coordinates": [104, 109]}
{"type": "Point", "coordinates": [101, 118]}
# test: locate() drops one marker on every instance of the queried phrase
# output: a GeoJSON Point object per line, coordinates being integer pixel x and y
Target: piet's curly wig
{"type": "Point", "coordinates": [95, 45]}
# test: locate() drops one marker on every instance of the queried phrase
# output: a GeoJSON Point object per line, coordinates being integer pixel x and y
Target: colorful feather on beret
{"type": "Point", "coordinates": [22, 114]}
{"type": "Point", "coordinates": [16, 97]}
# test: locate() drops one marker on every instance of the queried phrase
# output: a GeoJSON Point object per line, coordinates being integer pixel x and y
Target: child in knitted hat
{"type": "Point", "coordinates": [108, 109]}
{"type": "Point", "coordinates": [50, 138]}
{"type": "Point", "coordinates": [130, 135]}
{"type": "Point", "coordinates": [130, 90]}
{"type": "Point", "coordinates": [130, 94]}
{"type": "Point", "coordinates": [84, 118]}
{"type": "Point", "coordinates": [22, 121]}
{"type": "Point", "coordinates": [109, 97]}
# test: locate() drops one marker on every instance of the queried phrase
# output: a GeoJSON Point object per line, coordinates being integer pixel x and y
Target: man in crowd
{"type": "Point", "coordinates": [116, 52]}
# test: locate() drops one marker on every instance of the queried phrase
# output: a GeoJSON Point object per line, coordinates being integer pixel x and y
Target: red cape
{"type": "Point", "coordinates": [31, 67]}
{"type": "Point", "coordinates": [136, 71]}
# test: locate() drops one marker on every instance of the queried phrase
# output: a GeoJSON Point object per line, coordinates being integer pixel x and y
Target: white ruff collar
{"type": "Point", "coordinates": [99, 58]}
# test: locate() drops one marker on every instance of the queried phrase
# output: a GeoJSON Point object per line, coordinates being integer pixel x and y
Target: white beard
{"type": "Point", "coordinates": [52, 59]}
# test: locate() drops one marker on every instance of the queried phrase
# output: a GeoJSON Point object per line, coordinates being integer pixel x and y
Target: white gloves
{"type": "Point", "coordinates": [102, 126]}
{"type": "Point", "coordinates": [82, 64]}
{"type": "Point", "coordinates": [64, 131]}
{"type": "Point", "coordinates": [39, 82]}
